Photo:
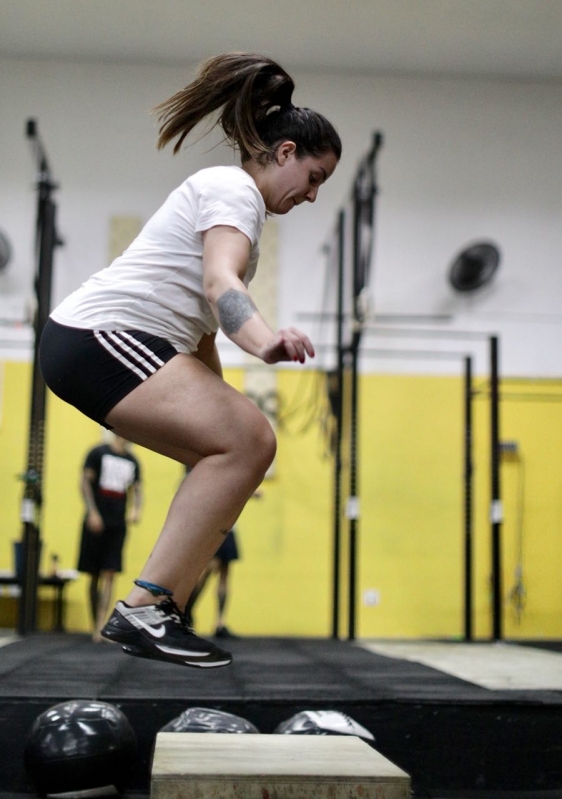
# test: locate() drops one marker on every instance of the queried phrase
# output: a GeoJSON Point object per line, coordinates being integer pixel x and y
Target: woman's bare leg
{"type": "Point", "coordinates": [188, 413]}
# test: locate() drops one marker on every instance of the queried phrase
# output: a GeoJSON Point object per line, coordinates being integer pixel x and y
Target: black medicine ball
{"type": "Point", "coordinates": [80, 746]}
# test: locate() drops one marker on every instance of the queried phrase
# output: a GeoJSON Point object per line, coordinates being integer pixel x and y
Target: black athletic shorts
{"type": "Point", "coordinates": [101, 551]}
{"type": "Point", "coordinates": [228, 550]}
{"type": "Point", "coordinates": [94, 369]}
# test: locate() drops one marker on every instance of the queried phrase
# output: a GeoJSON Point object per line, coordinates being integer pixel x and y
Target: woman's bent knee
{"type": "Point", "coordinates": [259, 445]}
{"type": "Point", "coordinates": [268, 446]}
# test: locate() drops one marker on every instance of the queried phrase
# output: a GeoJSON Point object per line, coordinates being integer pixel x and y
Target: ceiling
{"type": "Point", "coordinates": [519, 39]}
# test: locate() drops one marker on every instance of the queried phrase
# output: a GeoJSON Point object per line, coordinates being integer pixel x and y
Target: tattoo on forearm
{"type": "Point", "coordinates": [234, 307]}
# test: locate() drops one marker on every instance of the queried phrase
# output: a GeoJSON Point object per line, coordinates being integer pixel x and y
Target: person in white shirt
{"type": "Point", "coordinates": [134, 346]}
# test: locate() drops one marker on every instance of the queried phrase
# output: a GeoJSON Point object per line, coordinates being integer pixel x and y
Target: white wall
{"type": "Point", "coordinates": [462, 160]}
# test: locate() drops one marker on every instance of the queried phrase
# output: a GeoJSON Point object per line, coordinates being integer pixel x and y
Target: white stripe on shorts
{"type": "Point", "coordinates": [120, 340]}
{"type": "Point", "coordinates": [143, 348]}
{"type": "Point", "coordinates": [142, 368]}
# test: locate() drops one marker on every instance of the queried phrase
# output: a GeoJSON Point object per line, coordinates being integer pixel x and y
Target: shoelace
{"type": "Point", "coordinates": [175, 613]}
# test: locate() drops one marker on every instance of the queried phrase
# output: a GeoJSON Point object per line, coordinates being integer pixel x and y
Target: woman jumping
{"type": "Point", "coordinates": [134, 347]}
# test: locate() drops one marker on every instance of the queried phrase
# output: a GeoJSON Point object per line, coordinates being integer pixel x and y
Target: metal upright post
{"type": "Point", "coordinates": [496, 509]}
{"type": "Point", "coordinates": [353, 499]}
{"type": "Point", "coordinates": [33, 477]}
{"type": "Point", "coordinates": [365, 191]}
{"type": "Point", "coordinates": [339, 428]}
{"type": "Point", "coordinates": [468, 469]}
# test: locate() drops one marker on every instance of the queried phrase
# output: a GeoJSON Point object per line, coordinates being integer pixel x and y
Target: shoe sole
{"type": "Point", "coordinates": [139, 652]}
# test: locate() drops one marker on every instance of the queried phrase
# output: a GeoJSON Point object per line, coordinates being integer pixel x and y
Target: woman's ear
{"type": "Point", "coordinates": [285, 151]}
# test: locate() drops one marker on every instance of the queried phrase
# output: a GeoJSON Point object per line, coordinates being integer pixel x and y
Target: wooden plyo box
{"type": "Point", "coordinates": [226, 766]}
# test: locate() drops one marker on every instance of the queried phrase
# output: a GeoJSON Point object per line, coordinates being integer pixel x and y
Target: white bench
{"type": "Point", "coordinates": [230, 766]}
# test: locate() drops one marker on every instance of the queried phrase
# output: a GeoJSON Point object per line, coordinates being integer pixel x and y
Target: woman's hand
{"type": "Point", "coordinates": [287, 345]}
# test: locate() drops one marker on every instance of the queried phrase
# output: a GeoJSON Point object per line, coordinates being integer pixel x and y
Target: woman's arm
{"type": "Point", "coordinates": [226, 251]}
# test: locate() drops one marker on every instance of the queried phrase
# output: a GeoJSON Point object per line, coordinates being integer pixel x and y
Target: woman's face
{"type": "Point", "coordinates": [293, 180]}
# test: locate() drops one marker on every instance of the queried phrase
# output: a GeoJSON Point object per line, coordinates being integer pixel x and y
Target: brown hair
{"type": "Point", "coordinates": [253, 94]}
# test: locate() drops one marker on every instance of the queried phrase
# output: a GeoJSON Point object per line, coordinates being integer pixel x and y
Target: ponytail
{"type": "Point", "coordinates": [253, 95]}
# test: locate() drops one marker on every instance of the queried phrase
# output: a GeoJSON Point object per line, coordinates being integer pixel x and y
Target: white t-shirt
{"type": "Point", "coordinates": [157, 284]}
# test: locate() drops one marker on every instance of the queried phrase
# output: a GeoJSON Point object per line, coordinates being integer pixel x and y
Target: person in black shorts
{"type": "Point", "coordinates": [110, 478]}
{"type": "Point", "coordinates": [134, 347]}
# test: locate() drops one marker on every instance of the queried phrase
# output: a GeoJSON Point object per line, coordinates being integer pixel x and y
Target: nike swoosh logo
{"type": "Point", "coordinates": [156, 632]}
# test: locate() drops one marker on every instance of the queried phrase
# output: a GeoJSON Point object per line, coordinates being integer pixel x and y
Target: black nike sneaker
{"type": "Point", "coordinates": [160, 632]}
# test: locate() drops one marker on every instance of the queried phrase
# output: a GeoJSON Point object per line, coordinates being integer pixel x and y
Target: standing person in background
{"type": "Point", "coordinates": [134, 347]}
{"type": "Point", "coordinates": [219, 565]}
{"type": "Point", "coordinates": [111, 476]}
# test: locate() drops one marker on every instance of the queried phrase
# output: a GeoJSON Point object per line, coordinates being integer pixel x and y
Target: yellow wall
{"type": "Point", "coordinates": [531, 480]}
{"type": "Point", "coordinates": [411, 523]}
{"type": "Point", "coordinates": [411, 526]}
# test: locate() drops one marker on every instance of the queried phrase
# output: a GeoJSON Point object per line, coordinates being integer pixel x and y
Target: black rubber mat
{"type": "Point", "coordinates": [53, 665]}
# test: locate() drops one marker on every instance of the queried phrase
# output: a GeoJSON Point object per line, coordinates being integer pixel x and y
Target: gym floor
{"type": "Point", "coordinates": [464, 720]}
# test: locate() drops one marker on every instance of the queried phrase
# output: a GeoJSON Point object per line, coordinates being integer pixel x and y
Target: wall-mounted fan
{"type": "Point", "coordinates": [474, 267]}
{"type": "Point", "coordinates": [5, 251]}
